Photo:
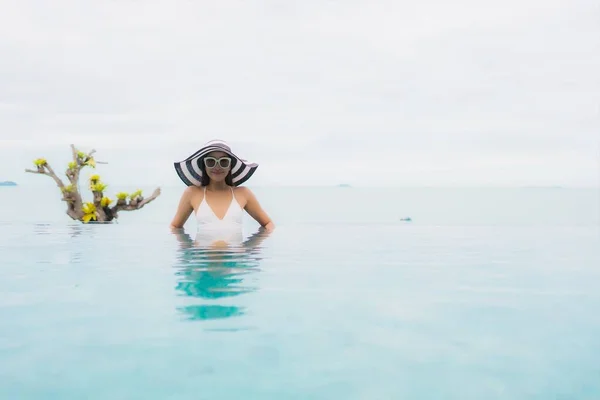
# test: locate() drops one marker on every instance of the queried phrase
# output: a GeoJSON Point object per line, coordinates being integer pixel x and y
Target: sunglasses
{"type": "Point", "coordinates": [211, 162]}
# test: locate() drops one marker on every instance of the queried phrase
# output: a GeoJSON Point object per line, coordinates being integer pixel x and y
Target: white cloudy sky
{"type": "Point", "coordinates": [426, 92]}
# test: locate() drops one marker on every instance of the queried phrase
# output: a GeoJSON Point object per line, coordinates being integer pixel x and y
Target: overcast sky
{"type": "Point", "coordinates": [426, 92]}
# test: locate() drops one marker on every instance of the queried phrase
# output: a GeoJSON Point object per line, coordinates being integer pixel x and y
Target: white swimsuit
{"type": "Point", "coordinates": [211, 229]}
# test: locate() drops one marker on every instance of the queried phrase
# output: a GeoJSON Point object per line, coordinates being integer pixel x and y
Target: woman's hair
{"type": "Point", "coordinates": [206, 178]}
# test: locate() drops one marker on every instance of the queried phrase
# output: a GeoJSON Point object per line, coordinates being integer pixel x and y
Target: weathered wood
{"type": "Point", "coordinates": [99, 209]}
{"type": "Point", "coordinates": [45, 169]}
{"type": "Point", "coordinates": [137, 203]}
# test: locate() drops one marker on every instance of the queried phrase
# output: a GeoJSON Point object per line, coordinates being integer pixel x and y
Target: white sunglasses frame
{"type": "Point", "coordinates": [217, 162]}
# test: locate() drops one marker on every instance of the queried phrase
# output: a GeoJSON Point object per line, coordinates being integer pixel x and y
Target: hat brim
{"type": "Point", "coordinates": [190, 173]}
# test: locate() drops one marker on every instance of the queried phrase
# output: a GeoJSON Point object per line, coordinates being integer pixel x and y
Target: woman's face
{"type": "Point", "coordinates": [218, 165]}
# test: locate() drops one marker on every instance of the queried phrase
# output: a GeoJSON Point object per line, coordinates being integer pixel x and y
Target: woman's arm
{"type": "Point", "coordinates": [254, 209]}
{"type": "Point", "coordinates": [256, 239]}
{"type": "Point", "coordinates": [183, 210]}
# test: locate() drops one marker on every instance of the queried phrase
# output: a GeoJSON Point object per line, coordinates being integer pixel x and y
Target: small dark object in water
{"type": "Point", "coordinates": [407, 219]}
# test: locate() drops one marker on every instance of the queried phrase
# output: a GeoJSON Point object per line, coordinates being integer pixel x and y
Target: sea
{"type": "Point", "coordinates": [359, 293]}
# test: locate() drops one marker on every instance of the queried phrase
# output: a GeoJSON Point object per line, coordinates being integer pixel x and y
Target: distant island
{"type": "Point", "coordinates": [344, 185]}
{"type": "Point", "coordinates": [8, 183]}
{"type": "Point", "coordinates": [543, 187]}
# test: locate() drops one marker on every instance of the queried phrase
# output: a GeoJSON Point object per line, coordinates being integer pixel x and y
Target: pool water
{"type": "Point", "coordinates": [338, 308]}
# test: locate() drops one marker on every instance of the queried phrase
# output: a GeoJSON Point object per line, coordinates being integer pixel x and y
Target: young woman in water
{"type": "Point", "coordinates": [213, 175]}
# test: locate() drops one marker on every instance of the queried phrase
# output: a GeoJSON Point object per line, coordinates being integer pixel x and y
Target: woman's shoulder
{"type": "Point", "coordinates": [245, 193]}
{"type": "Point", "coordinates": [243, 190]}
{"type": "Point", "coordinates": [192, 191]}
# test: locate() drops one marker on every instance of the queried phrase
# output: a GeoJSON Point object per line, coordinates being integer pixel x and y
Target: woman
{"type": "Point", "coordinates": [213, 175]}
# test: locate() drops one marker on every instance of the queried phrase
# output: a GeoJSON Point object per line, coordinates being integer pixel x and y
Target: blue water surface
{"type": "Point", "coordinates": [339, 308]}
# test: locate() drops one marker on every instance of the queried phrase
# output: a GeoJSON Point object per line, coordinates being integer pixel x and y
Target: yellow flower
{"type": "Point", "coordinates": [88, 208]}
{"type": "Point", "coordinates": [91, 162]}
{"type": "Point", "coordinates": [39, 162]}
{"type": "Point", "coordinates": [122, 195]}
{"type": "Point", "coordinates": [72, 165]}
{"type": "Point", "coordinates": [88, 217]}
{"type": "Point", "coordinates": [135, 194]}
{"type": "Point", "coordinates": [89, 211]}
{"type": "Point", "coordinates": [105, 202]}
{"type": "Point", "coordinates": [68, 188]}
{"type": "Point", "coordinates": [98, 187]}
{"type": "Point", "coordinates": [94, 178]}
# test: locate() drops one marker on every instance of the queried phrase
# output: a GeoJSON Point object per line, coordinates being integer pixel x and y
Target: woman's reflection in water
{"type": "Point", "coordinates": [217, 272]}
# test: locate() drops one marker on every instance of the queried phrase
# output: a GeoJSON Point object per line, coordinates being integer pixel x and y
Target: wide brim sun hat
{"type": "Point", "coordinates": [190, 173]}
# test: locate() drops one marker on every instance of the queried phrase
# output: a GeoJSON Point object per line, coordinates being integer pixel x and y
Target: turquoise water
{"type": "Point", "coordinates": [486, 294]}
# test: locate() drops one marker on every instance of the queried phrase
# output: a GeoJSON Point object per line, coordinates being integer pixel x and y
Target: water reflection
{"type": "Point", "coordinates": [73, 230]}
{"type": "Point", "coordinates": [67, 242]}
{"type": "Point", "coordinates": [216, 272]}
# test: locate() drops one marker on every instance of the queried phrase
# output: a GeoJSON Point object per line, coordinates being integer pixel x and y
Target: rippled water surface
{"type": "Point", "coordinates": [466, 302]}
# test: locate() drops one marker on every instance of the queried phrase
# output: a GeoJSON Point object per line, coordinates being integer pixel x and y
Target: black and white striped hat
{"type": "Point", "coordinates": [189, 169]}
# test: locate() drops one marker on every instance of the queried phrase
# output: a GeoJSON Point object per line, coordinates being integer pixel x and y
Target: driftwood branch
{"type": "Point", "coordinates": [136, 203]}
{"type": "Point", "coordinates": [70, 195]}
{"type": "Point", "coordinates": [45, 169]}
{"type": "Point", "coordinates": [98, 210]}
